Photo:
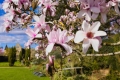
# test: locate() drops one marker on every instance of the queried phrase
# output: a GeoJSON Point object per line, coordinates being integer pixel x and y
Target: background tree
{"type": "Point", "coordinates": [12, 56]}
{"type": "Point", "coordinates": [27, 57]}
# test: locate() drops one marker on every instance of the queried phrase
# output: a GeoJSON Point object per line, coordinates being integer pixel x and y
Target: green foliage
{"type": "Point", "coordinates": [80, 77]}
{"type": "Point", "coordinates": [70, 78]}
{"type": "Point", "coordinates": [12, 56]}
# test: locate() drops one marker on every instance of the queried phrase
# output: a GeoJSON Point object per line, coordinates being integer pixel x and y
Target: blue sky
{"type": "Point", "coordinates": [15, 36]}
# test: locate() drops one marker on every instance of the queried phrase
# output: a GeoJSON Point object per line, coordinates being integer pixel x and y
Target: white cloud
{"type": "Point", "coordinates": [1, 24]}
{"type": "Point", "coordinates": [1, 6]}
{"type": "Point", "coordinates": [13, 39]}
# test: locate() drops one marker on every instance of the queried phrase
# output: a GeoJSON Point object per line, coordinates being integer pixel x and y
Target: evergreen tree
{"type": "Point", "coordinates": [12, 56]}
{"type": "Point", "coordinates": [22, 55]}
{"type": "Point", "coordinates": [27, 57]}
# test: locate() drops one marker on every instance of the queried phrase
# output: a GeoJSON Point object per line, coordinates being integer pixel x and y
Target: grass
{"type": "Point", "coordinates": [19, 73]}
{"type": "Point", "coordinates": [6, 64]}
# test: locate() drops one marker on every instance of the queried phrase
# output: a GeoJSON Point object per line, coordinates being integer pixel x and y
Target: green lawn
{"type": "Point", "coordinates": [19, 73]}
{"type": "Point", "coordinates": [6, 64]}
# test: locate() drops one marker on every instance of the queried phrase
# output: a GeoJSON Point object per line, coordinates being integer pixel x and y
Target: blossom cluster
{"type": "Point", "coordinates": [42, 26]}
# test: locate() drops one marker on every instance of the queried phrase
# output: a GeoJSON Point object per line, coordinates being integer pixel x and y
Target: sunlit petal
{"type": "Point", "coordinates": [49, 48]}
{"type": "Point", "coordinates": [85, 26]}
{"type": "Point", "coordinates": [100, 33]}
{"type": "Point", "coordinates": [85, 45]}
{"type": "Point", "coordinates": [95, 44]}
{"type": "Point", "coordinates": [80, 35]}
{"type": "Point", "coordinates": [95, 26]}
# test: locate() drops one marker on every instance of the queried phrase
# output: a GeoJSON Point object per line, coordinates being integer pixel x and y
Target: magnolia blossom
{"type": "Point", "coordinates": [89, 35]}
{"type": "Point", "coordinates": [6, 5]}
{"type": "Point", "coordinates": [25, 18]}
{"type": "Point", "coordinates": [7, 25]}
{"type": "Point", "coordinates": [40, 23]}
{"type": "Point", "coordinates": [90, 9]}
{"type": "Point", "coordinates": [85, 9]}
{"type": "Point", "coordinates": [50, 66]}
{"type": "Point", "coordinates": [37, 55]}
{"type": "Point", "coordinates": [99, 7]}
{"type": "Point", "coordinates": [33, 33]}
{"type": "Point", "coordinates": [49, 6]}
{"type": "Point", "coordinates": [60, 38]}
{"type": "Point", "coordinates": [114, 3]}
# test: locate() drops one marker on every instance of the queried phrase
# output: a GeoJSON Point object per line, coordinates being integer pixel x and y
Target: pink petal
{"type": "Point", "coordinates": [100, 41]}
{"type": "Point", "coordinates": [55, 3]}
{"type": "Point", "coordinates": [67, 48]}
{"type": "Point", "coordinates": [100, 33]}
{"type": "Point", "coordinates": [85, 45]}
{"type": "Point", "coordinates": [29, 32]}
{"type": "Point", "coordinates": [94, 16]}
{"type": "Point", "coordinates": [50, 36]}
{"type": "Point", "coordinates": [95, 26]}
{"type": "Point", "coordinates": [36, 29]}
{"type": "Point", "coordinates": [44, 11]}
{"type": "Point", "coordinates": [85, 26]}
{"type": "Point", "coordinates": [81, 13]}
{"type": "Point", "coordinates": [117, 9]}
{"type": "Point", "coordinates": [95, 9]}
{"type": "Point", "coordinates": [42, 19]}
{"type": "Point", "coordinates": [48, 28]}
{"type": "Point", "coordinates": [50, 59]}
{"type": "Point", "coordinates": [80, 35]}
{"type": "Point", "coordinates": [88, 15]}
{"type": "Point", "coordinates": [68, 38]}
{"type": "Point", "coordinates": [49, 48]}
{"type": "Point", "coordinates": [103, 17]}
{"type": "Point", "coordinates": [95, 44]}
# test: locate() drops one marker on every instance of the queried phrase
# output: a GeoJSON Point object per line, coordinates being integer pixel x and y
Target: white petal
{"type": "Point", "coordinates": [80, 35]}
{"type": "Point", "coordinates": [81, 13]}
{"type": "Point", "coordinates": [95, 26]}
{"type": "Point", "coordinates": [85, 45]}
{"type": "Point", "coordinates": [5, 5]}
{"type": "Point", "coordinates": [100, 33]}
{"type": "Point", "coordinates": [38, 36]}
{"type": "Point", "coordinates": [95, 9]}
{"type": "Point", "coordinates": [111, 3]}
{"type": "Point", "coordinates": [67, 48]}
{"type": "Point", "coordinates": [36, 18]}
{"type": "Point", "coordinates": [49, 48]}
{"type": "Point", "coordinates": [85, 26]}
{"type": "Point", "coordinates": [95, 44]}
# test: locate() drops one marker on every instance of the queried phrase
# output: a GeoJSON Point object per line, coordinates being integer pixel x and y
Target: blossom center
{"type": "Point", "coordinates": [90, 35]}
